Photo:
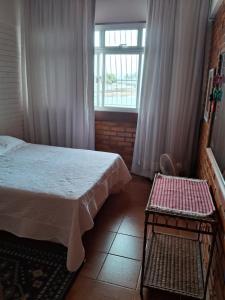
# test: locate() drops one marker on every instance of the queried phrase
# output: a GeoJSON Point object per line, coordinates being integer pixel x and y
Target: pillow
{"type": "Point", "coordinates": [8, 143]}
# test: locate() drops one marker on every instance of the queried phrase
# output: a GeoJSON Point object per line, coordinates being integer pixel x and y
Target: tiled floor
{"type": "Point", "coordinates": [114, 249]}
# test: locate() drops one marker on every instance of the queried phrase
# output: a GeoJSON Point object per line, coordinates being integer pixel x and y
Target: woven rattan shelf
{"type": "Point", "coordinates": [184, 207]}
{"type": "Point", "coordinates": [174, 264]}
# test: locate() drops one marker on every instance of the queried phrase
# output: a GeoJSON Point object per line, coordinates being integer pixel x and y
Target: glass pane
{"type": "Point", "coordinates": [97, 38]}
{"type": "Point", "coordinates": [116, 38]}
{"type": "Point", "coordinates": [143, 37]}
{"type": "Point", "coordinates": [121, 79]}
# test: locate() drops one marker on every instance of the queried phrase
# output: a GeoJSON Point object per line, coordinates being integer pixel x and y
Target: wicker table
{"type": "Point", "coordinates": [172, 262]}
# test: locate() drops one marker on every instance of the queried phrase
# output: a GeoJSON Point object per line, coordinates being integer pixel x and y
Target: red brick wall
{"type": "Point", "coordinates": [116, 136]}
{"type": "Point", "coordinates": [205, 170]}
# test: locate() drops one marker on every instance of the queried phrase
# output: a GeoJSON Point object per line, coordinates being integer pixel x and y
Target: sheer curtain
{"type": "Point", "coordinates": [57, 71]}
{"type": "Point", "coordinates": [171, 84]}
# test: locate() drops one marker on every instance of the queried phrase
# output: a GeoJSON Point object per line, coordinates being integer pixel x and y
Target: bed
{"type": "Point", "coordinates": [53, 193]}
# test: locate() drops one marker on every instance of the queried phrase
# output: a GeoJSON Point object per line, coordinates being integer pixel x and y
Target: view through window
{"type": "Point", "coordinates": [119, 52]}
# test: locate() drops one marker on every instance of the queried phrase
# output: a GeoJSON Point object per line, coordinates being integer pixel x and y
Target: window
{"type": "Point", "coordinates": [118, 66]}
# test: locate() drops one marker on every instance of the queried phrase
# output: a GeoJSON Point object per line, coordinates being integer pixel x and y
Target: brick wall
{"type": "Point", "coordinates": [116, 136]}
{"type": "Point", "coordinates": [205, 170]}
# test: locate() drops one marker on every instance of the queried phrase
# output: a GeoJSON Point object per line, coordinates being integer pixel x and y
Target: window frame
{"type": "Point", "coordinates": [104, 50]}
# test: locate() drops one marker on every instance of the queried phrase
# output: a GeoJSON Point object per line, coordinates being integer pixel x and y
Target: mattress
{"type": "Point", "coordinates": [53, 193]}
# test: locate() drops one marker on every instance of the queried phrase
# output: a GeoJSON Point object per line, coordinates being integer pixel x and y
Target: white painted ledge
{"type": "Point", "coordinates": [218, 175]}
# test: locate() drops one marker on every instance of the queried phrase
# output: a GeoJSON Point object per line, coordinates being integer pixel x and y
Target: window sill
{"type": "Point", "coordinates": [116, 109]}
{"type": "Point", "coordinates": [112, 116]}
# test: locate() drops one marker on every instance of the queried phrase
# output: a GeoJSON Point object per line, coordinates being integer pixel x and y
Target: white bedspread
{"type": "Point", "coordinates": [53, 193]}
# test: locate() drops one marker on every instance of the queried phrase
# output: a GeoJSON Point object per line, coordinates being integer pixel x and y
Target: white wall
{"type": "Point", "coordinates": [8, 11]}
{"type": "Point", "coordinates": [11, 117]}
{"type": "Point", "coordinates": [120, 11]}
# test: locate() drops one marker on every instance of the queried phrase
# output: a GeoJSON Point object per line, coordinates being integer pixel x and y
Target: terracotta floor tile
{"type": "Point", "coordinates": [98, 240]}
{"type": "Point", "coordinates": [108, 222]}
{"type": "Point", "coordinates": [118, 277]}
{"type": "Point", "coordinates": [93, 264]}
{"type": "Point", "coordinates": [132, 226]}
{"type": "Point", "coordinates": [156, 295]}
{"type": "Point", "coordinates": [88, 289]}
{"type": "Point", "coordinates": [139, 202]}
{"type": "Point", "coordinates": [137, 212]}
{"type": "Point", "coordinates": [139, 189]}
{"type": "Point", "coordinates": [127, 246]}
{"type": "Point", "coordinates": [121, 271]}
{"type": "Point", "coordinates": [116, 205]}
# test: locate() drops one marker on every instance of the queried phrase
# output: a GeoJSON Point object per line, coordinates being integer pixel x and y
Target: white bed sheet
{"type": "Point", "coordinates": [53, 193]}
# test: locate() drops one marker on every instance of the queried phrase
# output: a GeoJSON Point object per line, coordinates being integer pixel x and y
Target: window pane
{"type": "Point", "coordinates": [116, 38]}
{"type": "Point", "coordinates": [143, 37]}
{"type": "Point", "coordinates": [97, 39]}
{"type": "Point", "coordinates": [121, 78]}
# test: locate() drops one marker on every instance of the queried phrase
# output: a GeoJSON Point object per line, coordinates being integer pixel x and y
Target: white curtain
{"type": "Point", "coordinates": [171, 84]}
{"type": "Point", "coordinates": [57, 71]}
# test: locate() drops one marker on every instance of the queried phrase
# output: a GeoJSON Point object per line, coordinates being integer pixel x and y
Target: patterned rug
{"type": "Point", "coordinates": [31, 271]}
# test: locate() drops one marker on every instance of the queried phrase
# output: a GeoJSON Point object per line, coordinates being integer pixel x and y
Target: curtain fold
{"type": "Point", "coordinates": [171, 84]}
{"type": "Point", "coordinates": [57, 71]}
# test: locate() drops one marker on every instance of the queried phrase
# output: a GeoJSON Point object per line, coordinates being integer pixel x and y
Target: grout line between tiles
{"type": "Point", "coordinates": [135, 236]}
{"type": "Point", "coordinates": [135, 259]}
{"type": "Point", "coordinates": [120, 224]}
{"type": "Point", "coordinates": [114, 284]}
{"type": "Point", "coordinates": [106, 255]}
{"type": "Point", "coordinates": [126, 287]}
{"type": "Point", "coordinates": [101, 267]}
{"type": "Point", "coordinates": [139, 279]}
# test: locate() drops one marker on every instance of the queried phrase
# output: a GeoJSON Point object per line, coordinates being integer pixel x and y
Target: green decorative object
{"type": "Point", "coordinates": [217, 94]}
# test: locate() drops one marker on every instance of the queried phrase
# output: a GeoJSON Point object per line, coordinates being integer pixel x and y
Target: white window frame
{"type": "Point", "coordinates": [139, 50]}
